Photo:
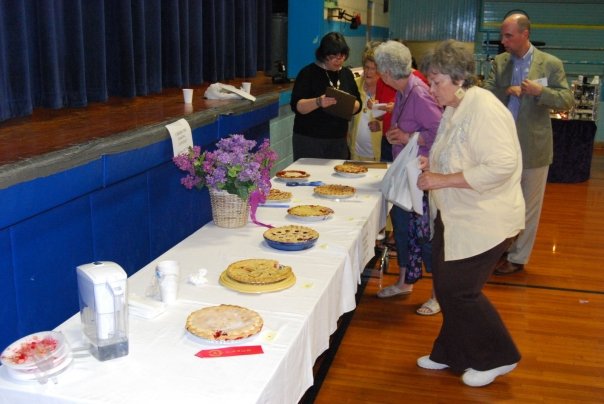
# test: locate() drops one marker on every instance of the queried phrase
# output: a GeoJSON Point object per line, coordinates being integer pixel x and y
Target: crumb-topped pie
{"type": "Point", "coordinates": [291, 234]}
{"type": "Point", "coordinates": [224, 323]}
{"type": "Point", "coordinates": [335, 191]}
{"type": "Point", "coordinates": [292, 174]}
{"type": "Point", "coordinates": [350, 169]}
{"type": "Point", "coordinates": [258, 271]}
{"type": "Point", "coordinates": [310, 211]}
{"type": "Point", "coordinates": [276, 195]}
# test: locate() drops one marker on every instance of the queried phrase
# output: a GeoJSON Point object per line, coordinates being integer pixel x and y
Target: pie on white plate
{"type": "Point", "coordinates": [276, 195]}
{"type": "Point", "coordinates": [310, 211]}
{"type": "Point", "coordinates": [335, 191]}
{"type": "Point", "coordinates": [350, 169]}
{"type": "Point", "coordinates": [292, 175]}
{"type": "Point", "coordinates": [224, 323]}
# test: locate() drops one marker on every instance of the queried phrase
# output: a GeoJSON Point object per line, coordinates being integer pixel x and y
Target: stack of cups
{"type": "Point", "coordinates": [167, 277]}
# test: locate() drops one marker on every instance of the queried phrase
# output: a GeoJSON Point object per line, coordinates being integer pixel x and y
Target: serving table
{"type": "Point", "coordinates": [162, 366]}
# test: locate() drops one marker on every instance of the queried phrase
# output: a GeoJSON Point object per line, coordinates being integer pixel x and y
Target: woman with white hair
{"type": "Point", "coordinates": [415, 110]}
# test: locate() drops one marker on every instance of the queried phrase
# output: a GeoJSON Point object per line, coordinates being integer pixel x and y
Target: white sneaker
{"type": "Point", "coordinates": [477, 378]}
{"type": "Point", "coordinates": [427, 363]}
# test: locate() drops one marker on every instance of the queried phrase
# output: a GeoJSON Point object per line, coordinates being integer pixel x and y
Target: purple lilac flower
{"type": "Point", "coordinates": [232, 166]}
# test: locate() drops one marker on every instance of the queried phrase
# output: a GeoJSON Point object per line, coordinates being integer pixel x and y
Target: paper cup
{"type": "Point", "coordinates": [246, 86]}
{"type": "Point", "coordinates": [167, 273]}
{"type": "Point", "coordinates": [187, 94]}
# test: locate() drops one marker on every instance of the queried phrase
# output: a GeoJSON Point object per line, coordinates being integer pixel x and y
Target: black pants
{"type": "Point", "coordinates": [386, 151]}
{"type": "Point", "coordinates": [320, 148]}
{"type": "Point", "coordinates": [472, 334]}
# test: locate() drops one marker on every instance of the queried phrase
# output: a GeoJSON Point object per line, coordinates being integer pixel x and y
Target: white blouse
{"type": "Point", "coordinates": [478, 138]}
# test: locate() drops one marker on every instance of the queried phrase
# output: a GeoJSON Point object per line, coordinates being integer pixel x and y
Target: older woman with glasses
{"type": "Point", "coordinates": [415, 110]}
{"type": "Point", "coordinates": [317, 133]}
{"type": "Point", "coordinates": [473, 175]}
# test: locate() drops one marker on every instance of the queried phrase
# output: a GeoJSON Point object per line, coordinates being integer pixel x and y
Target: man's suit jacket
{"type": "Point", "coordinates": [533, 123]}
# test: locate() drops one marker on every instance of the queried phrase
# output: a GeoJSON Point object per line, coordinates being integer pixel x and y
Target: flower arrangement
{"type": "Point", "coordinates": [232, 167]}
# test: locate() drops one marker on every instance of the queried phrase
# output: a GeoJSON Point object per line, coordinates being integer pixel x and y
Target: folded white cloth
{"type": "Point", "coordinates": [144, 307]}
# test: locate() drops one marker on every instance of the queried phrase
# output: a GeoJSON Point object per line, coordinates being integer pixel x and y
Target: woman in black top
{"type": "Point", "coordinates": [317, 133]}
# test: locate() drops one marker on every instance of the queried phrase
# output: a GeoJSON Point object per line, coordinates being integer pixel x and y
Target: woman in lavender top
{"type": "Point", "coordinates": [415, 110]}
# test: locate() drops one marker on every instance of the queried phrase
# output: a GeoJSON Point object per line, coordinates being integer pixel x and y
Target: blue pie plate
{"type": "Point", "coordinates": [279, 245]}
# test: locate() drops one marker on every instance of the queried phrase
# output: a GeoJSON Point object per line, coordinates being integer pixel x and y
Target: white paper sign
{"type": "Point", "coordinates": [182, 137]}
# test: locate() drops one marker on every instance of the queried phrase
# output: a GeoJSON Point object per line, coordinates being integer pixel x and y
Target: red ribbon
{"type": "Point", "coordinates": [230, 351]}
{"type": "Point", "coordinates": [256, 198]}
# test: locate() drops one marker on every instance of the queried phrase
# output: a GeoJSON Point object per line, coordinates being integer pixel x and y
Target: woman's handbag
{"type": "Point", "coordinates": [395, 184]}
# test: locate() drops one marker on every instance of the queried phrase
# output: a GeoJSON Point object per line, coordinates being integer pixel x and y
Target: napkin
{"type": "Point", "coordinates": [198, 278]}
{"type": "Point", "coordinates": [144, 307]}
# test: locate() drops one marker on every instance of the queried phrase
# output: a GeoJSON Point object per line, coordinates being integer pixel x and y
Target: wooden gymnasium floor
{"type": "Point", "coordinates": [554, 310]}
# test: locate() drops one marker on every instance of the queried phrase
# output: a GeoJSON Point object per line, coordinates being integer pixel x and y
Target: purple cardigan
{"type": "Point", "coordinates": [415, 110]}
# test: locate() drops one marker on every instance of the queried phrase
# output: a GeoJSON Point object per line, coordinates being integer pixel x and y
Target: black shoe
{"type": "Point", "coordinates": [508, 268]}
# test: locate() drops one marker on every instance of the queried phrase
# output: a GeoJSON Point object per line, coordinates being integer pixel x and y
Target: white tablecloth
{"type": "Point", "coordinates": [162, 367]}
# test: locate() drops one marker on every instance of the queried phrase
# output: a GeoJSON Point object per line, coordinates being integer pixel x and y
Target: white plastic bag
{"type": "Point", "coordinates": [219, 91]}
{"type": "Point", "coordinates": [395, 184]}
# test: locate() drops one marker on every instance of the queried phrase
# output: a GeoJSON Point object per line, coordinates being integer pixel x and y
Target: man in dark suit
{"type": "Point", "coordinates": [530, 83]}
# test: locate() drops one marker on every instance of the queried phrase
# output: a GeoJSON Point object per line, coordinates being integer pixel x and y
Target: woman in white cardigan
{"type": "Point", "coordinates": [473, 175]}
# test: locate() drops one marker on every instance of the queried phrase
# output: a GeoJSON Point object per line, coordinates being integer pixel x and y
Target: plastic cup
{"type": "Point", "coordinates": [246, 86]}
{"type": "Point", "coordinates": [187, 94]}
{"type": "Point", "coordinates": [167, 273]}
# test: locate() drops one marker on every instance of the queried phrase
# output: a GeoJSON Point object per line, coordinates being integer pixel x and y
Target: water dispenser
{"type": "Point", "coordinates": [103, 295]}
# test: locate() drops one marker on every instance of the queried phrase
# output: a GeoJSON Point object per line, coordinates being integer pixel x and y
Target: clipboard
{"type": "Point", "coordinates": [345, 105]}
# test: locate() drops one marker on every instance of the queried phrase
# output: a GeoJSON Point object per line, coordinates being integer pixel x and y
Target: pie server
{"type": "Point", "coordinates": [300, 184]}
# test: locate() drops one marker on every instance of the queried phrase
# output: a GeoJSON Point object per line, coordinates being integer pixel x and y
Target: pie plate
{"type": "Point", "coordinates": [277, 201]}
{"type": "Point", "coordinates": [350, 175]}
{"type": "Point", "coordinates": [317, 218]}
{"type": "Point", "coordinates": [220, 342]}
{"type": "Point", "coordinates": [282, 176]}
{"type": "Point", "coordinates": [334, 196]}
{"type": "Point", "coordinates": [281, 245]}
{"type": "Point", "coordinates": [291, 179]}
{"type": "Point", "coordinates": [37, 356]}
{"type": "Point", "coordinates": [226, 281]}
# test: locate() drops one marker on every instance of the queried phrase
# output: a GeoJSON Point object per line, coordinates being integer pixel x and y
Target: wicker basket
{"type": "Point", "coordinates": [228, 210]}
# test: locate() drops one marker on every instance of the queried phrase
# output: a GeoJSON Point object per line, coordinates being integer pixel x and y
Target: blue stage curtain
{"type": "Point", "coordinates": [68, 53]}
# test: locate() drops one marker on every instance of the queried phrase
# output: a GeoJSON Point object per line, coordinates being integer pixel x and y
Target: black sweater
{"type": "Point", "coordinates": [311, 83]}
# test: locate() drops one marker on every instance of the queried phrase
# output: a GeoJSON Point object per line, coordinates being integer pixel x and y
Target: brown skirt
{"type": "Point", "coordinates": [472, 334]}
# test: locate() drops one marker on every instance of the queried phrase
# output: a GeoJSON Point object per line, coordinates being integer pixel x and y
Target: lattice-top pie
{"type": "Point", "coordinates": [291, 234]}
{"type": "Point", "coordinates": [278, 195]}
{"type": "Point", "coordinates": [224, 323]}
{"type": "Point", "coordinates": [310, 210]}
{"type": "Point", "coordinates": [292, 174]}
{"type": "Point", "coordinates": [258, 271]}
{"type": "Point", "coordinates": [335, 190]}
{"type": "Point", "coordinates": [350, 169]}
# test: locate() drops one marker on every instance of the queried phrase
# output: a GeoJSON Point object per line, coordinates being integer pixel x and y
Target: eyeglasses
{"type": "Point", "coordinates": [339, 56]}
